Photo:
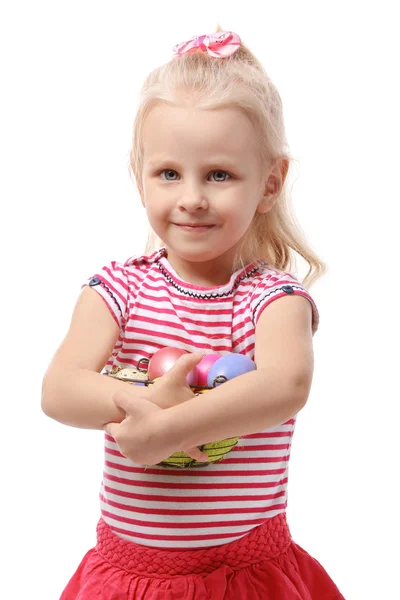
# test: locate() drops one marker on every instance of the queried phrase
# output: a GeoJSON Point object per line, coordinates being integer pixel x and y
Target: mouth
{"type": "Point", "coordinates": [197, 228]}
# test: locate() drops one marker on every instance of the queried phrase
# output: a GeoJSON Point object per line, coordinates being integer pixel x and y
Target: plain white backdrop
{"type": "Point", "coordinates": [70, 76]}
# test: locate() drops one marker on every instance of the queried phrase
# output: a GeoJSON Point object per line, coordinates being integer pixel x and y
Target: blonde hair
{"type": "Point", "coordinates": [238, 81]}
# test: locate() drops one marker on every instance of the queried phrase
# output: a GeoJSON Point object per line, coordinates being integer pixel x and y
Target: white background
{"type": "Point", "coordinates": [70, 75]}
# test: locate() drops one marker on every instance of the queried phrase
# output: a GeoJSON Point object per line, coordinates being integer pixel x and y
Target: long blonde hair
{"type": "Point", "coordinates": [238, 81]}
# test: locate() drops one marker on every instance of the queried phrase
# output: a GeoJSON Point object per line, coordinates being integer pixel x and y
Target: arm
{"type": "Point", "coordinates": [73, 391]}
{"type": "Point", "coordinates": [261, 399]}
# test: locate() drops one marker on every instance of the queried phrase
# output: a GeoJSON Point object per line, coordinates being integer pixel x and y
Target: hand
{"type": "Point", "coordinates": [143, 435]}
{"type": "Point", "coordinates": [172, 388]}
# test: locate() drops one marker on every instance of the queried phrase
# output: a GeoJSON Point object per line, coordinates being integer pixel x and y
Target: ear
{"type": "Point", "coordinates": [276, 176]}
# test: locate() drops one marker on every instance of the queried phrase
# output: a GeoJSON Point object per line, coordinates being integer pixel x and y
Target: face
{"type": "Point", "coordinates": [202, 183]}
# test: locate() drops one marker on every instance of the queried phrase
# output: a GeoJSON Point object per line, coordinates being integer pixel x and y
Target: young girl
{"type": "Point", "coordinates": [210, 161]}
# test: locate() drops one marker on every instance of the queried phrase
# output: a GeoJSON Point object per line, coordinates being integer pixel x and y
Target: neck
{"type": "Point", "coordinates": [204, 274]}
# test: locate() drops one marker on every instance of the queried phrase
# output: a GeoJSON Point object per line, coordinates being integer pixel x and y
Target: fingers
{"type": "Point", "coordinates": [186, 362]}
{"type": "Point", "coordinates": [197, 454]}
{"type": "Point", "coordinates": [182, 367]}
{"type": "Point", "coordinates": [111, 429]}
{"type": "Point", "coordinates": [123, 400]}
{"type": "Point", "coordinates": [139, 407]}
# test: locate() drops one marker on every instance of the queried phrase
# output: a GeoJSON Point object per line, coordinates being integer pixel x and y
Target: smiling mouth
{"type": "Point", "coordinates": [198, 228]}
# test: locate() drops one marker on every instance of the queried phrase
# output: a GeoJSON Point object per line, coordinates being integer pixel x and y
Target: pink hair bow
{"type": "Point", "coordinates": [219, 45]}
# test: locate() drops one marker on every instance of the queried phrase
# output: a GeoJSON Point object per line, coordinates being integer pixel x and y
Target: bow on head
{"type": "Point", "coordinates": [219, 45]}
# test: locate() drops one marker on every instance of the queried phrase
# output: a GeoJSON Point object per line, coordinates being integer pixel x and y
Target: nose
{"type": "Point", "coordinates": [192, 198]}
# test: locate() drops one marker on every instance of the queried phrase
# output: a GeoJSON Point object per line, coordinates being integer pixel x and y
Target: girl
{"type": "Point", "coordinates": [210, 162]}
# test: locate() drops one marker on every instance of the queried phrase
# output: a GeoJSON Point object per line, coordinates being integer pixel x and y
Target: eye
{"type": "Point", "coordinates": [220, 176]}
{"type": "Point", "coordinates": [169, 174]}
{"type": "Point", "coordinates": [172, 175]}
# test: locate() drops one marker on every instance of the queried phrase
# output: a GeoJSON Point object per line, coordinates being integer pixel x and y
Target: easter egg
{"type": "Point", "coordinates": [204, 366]}
{"type": "Point", "coordinates": [163, 360]}
{"type": "Point", "coordinates": [229, 366]}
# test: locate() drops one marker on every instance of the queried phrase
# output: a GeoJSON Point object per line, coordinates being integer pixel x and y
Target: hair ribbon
{"type": "Point", "coordinates": [218, 45]}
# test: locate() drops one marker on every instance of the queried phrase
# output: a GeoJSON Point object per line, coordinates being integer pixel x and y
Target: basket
{"type": "Point", "coordinates": [215, 451]}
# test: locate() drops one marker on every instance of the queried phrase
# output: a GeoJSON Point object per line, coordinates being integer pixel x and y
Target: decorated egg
{"type": "Point", "coordinates": [163, 360]}
{"type": "Point", "coordinates": [229, 366]}
{"type": "Point", "coordinates": [204, 366]}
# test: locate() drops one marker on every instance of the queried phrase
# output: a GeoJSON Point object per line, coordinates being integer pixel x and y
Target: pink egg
{"type": "Point", "coordinates": [204, 366]}
{"type": "Point", "coordinates": [163, 360]}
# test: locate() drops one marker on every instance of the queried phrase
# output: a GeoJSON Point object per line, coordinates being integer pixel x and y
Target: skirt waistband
{"type": "Point", "coordinates": [267, 541]}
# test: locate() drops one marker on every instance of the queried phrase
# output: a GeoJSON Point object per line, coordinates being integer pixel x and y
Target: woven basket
{"type": "Point", "coordinates": [215, 451]}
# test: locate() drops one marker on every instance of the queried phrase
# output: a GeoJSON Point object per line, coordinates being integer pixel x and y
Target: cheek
{"type": "Point", "coordinates": [152, 213]}
{"type": "Point", "coordinates": [242, 218]}
{"type": "Point", "coordinates": [239, 211]}
{"type": "Point", "coordinates": [157, 212]}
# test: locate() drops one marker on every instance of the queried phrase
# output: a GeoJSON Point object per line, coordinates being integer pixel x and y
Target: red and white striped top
{"type": "Point", "coordinates": [204, 506]}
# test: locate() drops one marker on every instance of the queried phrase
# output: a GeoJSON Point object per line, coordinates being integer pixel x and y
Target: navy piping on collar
{"type": "Point", "coordinates": [205, 296]}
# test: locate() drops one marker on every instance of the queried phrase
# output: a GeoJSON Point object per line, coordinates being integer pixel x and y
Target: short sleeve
{"type": "Point", "coordinates": [111, 282]}
{"type": "Point", "coordinates": [276, 285]}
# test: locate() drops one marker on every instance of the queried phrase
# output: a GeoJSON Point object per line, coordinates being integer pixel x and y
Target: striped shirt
{"type": "Point", "coordinates": [190, 508]}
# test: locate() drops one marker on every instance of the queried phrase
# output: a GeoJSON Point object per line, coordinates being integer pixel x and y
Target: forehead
{"type": "Point", "coordinates": [185, 130]}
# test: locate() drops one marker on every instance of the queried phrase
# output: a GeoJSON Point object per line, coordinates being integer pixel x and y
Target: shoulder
{"type": "Point", "coordinates": [144, 261]}
{"type": "Point", "coordinates": [285, 319]}
{"type": "Point", "coordinates": [270, 284]}
{"type": "Point", "coordinates": [117, 282]}
{"type": "Point", "coordinates": [131, 270]}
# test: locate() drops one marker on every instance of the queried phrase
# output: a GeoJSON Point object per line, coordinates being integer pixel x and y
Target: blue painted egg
{"type": "Point", "coordinates": [229, 366]}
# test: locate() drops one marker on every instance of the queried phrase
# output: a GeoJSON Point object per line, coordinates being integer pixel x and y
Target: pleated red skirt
{"type": "Point", "coordinates": [263, 565]}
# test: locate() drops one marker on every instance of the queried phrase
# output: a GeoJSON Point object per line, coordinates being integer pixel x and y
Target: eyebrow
{"type": "Point", "coordinates": [216, 160]}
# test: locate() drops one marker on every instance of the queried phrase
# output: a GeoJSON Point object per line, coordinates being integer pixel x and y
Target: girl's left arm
{"type": "Point", "coordinates": [260, 399]}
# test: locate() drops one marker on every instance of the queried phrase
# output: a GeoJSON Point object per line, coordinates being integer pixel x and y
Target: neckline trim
{"type": "Point", "coordinates": [208, 293]}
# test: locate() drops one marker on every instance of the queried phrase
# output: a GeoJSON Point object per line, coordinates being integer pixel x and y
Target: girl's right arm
{"type": "Point", "coordinates": [74, 391]}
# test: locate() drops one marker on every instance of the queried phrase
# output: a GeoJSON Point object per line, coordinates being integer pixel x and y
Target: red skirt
{"type": "Point", "coordinates": [263, 565]}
